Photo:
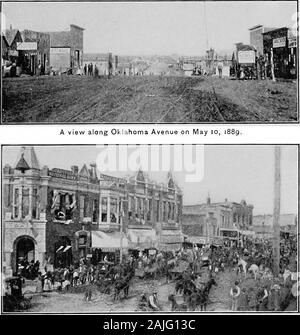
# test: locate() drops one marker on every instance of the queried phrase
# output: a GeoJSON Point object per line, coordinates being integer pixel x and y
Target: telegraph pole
{"type": "Point", "coordinates": [276, 213]}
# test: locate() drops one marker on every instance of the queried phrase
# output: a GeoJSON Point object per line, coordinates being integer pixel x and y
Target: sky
{"type": "Point", "coordinates": [162, 28]}
{"type": "Point", "coordinates": [234, 172]}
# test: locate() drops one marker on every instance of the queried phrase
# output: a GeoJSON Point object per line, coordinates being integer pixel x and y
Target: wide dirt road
{"type": "Point", "coordinates": [146, 99]}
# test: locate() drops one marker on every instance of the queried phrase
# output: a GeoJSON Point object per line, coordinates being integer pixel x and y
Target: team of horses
{"type": "Point", "coordinates": [194, 297]}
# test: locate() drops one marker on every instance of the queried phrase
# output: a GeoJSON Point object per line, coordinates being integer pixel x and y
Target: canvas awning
{"type": "Point", "coordinates": [196, 239]}
{"type": "Point", "coordinates": [142, 238]}
{"type": "Point", "coordinates": [108, 242]}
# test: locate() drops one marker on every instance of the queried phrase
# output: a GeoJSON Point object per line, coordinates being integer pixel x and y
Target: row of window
{"type": "Point", "coordinates": [25, 203]}
{"type": "Point", "coordinates": [64, 203]}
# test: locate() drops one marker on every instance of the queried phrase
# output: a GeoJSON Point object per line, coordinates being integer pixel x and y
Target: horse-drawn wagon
{"type": "Point", "coordinates": [179, 268]}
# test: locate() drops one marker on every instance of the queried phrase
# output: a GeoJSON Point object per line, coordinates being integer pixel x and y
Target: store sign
{"type": "Point", "coordinates": [64, 174]}
{"type": "Point", "coordinates": [292, 42]}
{"type": "Point", "coordinates": [279, 42]}
{"type": "Point", "coordinates": [246, 57]}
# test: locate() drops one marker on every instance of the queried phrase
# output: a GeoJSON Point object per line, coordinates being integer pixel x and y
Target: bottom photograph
{"type": "Point", "coordinates": [149, 229]}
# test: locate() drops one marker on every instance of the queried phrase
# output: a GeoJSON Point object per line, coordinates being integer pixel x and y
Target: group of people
{"type": "Point", "coordinates": [90, 70]}
{"type": "Point", "coordinates": [28, 270]}
{"type": "Point", "coordinates": [255, 287]}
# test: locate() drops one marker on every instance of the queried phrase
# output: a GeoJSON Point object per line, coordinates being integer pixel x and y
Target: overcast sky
{"type": "Point", "coordinates": [234, 172]}
{"type": "Point", "coordinates": [155, 27]}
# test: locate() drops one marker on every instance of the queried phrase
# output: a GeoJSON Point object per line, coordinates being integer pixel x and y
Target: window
{"type": "Point", "coordinates": [172, 211]}
{"type": "Point", "coordinates": [149, 209]}
{"type": "Point", "coordinates": [131, 207]}
{"type": "Point", "coordinates": [165, 211]}
{"type": "Point", "coordinates": [104, 210]}
{"type": "Point", "coordinates": [63, 205]}
{"type": "Point", "coordinates": [178, 212]}
{"type": "Point", "coordinates": [82, 202]}
{"type": "Point", "coordinates": [25, 202]}
{"type": "Point", "coordinates": [157, 211]}
{"type": "Point", "coordinates": [34, 203]}
{"type": "Point", "coordinates": [95, 210]}
{"type": "Point", "coordinates": [16, 202]}
{"type": "Point", "coordinates": [113, 210]}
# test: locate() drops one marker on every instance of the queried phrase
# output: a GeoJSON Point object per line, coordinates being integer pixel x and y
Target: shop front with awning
{"type": "Point", "coordinates": [108, 242]}
{"type": "Point", "coordinates": [171, 240]}
{"type": "Point", "coordinates": [141, 239]}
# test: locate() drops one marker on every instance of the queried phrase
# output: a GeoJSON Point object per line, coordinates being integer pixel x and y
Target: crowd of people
{"type": "Point", "coordinates": [254, 287]}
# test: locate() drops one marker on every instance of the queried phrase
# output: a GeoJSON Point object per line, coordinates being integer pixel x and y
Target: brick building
{"type": "Point", "coordinates": [61, 216]}
{"type": "Point", "coordinates": [263, 225]}
{"type": "Point", "coordinates": [209, 221]}
{"type": "Point", "coordinates": [66, 49]}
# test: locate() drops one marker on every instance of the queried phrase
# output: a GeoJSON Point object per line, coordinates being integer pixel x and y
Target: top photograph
{"type": "Point", "coordinates": [151, 62]}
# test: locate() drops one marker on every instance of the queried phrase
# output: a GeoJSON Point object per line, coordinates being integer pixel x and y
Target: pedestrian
{"type": "Point", "coordinates": [88, 293]}
{"type": "Point", "coordinates": [85, 69]}
{"type": "Point", "coordinates": [234, 293]}
{"type": "Point", "coordinates": [39, 284]}
{"type": "Point", "coordinates": [96, 71]}
{"type": "Point", "coordinates": [243, 301]}
{"type": "Point", "coordinates": [220, 69]}
{"type": "Point", "coordinates": [252, 298]}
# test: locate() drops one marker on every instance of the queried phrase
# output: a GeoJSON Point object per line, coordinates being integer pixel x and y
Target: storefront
{"type": "Point", "coordinates": [108, 244]}
{"type": "Point", "coordinates": [171, 240]}
{"type": "Point", "coordinates": [282, 44]}
{"type": "Point", "coordinates": [141, 239]}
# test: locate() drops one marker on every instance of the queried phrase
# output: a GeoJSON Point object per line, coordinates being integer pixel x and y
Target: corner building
{"type": "Point", "coordinates": [60, 216]}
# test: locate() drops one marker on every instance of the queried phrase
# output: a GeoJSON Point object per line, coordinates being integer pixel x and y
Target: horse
{"type": "Point", "coordinates": [122, 284]}
{"type": "Point", "coordinates": [199, 297]}
{"type": "Point", "coordinates": [254, 269]}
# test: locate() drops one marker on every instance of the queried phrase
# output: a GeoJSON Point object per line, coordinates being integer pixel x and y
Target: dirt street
{"type": "Point", "coordinates": [55, 302]}
{"type": "Point", "coordinates": [146, 99]}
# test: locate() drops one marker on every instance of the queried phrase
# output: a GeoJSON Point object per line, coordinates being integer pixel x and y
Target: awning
{"type": "Point", "coordinates": [172, 236]}
{"type": "Point", "coordinates": [142, 238]}
{"type": "Point", "coordinates": [247, 232]}
{"type": "Point", "coordinates": [170, 247]}
{"type": "Point", "coordinates": [196, 239]}
{"type": "Point", "coordinates": [67, 248]}
{"type": "Point", "coordinates": [108, 242]}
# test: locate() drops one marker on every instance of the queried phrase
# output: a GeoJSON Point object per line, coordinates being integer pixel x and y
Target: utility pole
{"type": "Point", "coordinates": [276, 213]}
